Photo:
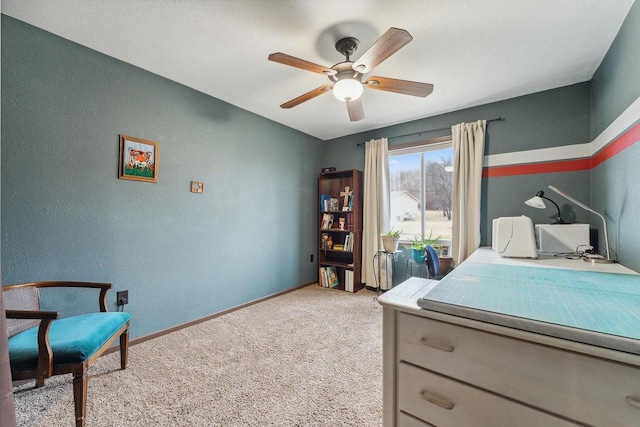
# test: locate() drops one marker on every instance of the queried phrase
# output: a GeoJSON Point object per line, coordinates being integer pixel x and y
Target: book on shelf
{"type": "Point", "coordinates": [332, 275]}
{"type": "Point", "coordinates": [348, 242]}
{"type": "Point", "coordinates": [348, 280]}
{"type": "Point", "coordinates": [327, 221]}
{"type": "Point", "coordinates": [349, 222]}
{"type": "Point", "coordinates": [325, 203]}
{"type": "Point", "coordinates": [328, 277]}
{"type": "Point", "coordinates": [334, 203]}
{"type": "Point", "coordinates": [338, 247]}
{"type": "Point", "coordinates": [322, 277]}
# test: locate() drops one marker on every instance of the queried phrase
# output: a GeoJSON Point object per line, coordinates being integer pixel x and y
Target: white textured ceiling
{"type": "Point", "coordinates": [473, 51]}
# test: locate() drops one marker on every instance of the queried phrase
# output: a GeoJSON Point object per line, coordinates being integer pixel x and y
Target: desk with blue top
{"type": "Point", "coordinates": [514, 342]}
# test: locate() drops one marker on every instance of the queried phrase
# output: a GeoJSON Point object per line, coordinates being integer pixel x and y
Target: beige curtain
{"type": "Point", "coordinates": [376, 208]}
{"type": "Point", "coordinates": [468, 151]}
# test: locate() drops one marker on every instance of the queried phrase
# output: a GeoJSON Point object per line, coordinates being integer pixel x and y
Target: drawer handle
{"type": "Point", "coordinates": [436, 400]}
{"type": "Point", "coordinates": [633, 401]}
{"type": "Point", "coordinates": [440, 345]}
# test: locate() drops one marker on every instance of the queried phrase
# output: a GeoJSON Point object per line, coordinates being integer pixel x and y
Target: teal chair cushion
{"type": "Point", "coordinates": [73, 339]}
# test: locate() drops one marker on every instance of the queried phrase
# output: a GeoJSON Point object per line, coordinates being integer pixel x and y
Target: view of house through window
{"type": "Point", "coordinates": [421, 185]}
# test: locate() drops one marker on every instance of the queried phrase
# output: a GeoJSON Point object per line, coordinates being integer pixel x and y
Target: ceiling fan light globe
{"type": "Point", "coordinates": [347, 89]}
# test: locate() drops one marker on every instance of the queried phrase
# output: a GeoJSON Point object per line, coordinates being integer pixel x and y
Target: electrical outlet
{"type": "Point", "coordinates": [311, 258]}
{"type": "Point", "coordinates": [122, 298]}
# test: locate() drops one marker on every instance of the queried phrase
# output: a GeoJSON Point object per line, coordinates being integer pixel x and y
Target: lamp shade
{"type": "Point", "coordinates": [347, 89]}
{"type": "Point", "coordinates": [536, 202]}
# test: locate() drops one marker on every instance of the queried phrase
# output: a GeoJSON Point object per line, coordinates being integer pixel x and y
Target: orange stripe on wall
{"type": "Point", "coordinates": [536, 168]}
{"type": "Point", "coordinates": [624, 141]}
{"type": "Point", "coordinates": [619, 144]}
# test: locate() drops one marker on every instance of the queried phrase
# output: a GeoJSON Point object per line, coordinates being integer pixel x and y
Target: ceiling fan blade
{"type": "Point", "coordinates": [307, 96]}
{"type": "Point", "coordinates": [356, 112]}
{"type": "Point", "coordinates": [390, 42]}
{"type": "Point", "coordinates": [292, 61]}
{"type": "Point", "coordinates": [405, 87]}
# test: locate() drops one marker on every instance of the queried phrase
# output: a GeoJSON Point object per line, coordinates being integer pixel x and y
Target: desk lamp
{"type": "Point", "coordinates": [537, 202]}
{"type": "Point", "coordinates": [591, 257]}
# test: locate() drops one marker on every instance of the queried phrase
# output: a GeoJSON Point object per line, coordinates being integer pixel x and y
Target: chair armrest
{"type": "Point", "coordinates": [102, 299]}
{"type": "Point", "coordinates": [32, 314]}
{"type": "Point", "coordinates": [45, 354]}
{"type": "Point", "coordinates": [104, 287]}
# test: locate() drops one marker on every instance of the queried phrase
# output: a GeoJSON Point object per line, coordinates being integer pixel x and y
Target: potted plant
{"type": "Point", "coordinates": [431, 241]}
{"type": "Point", "coordinates": [390, 240]}
{"type": "Point", "coordinates": [445, 259]}
{"type": "Point", "coordinates": [417, 249]}
{"type": "Point", "coordinates": [418, 244]}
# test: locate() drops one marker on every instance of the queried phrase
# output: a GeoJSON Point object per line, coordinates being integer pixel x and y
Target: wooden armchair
{"type": "Point", "coordinates": [41, 346]}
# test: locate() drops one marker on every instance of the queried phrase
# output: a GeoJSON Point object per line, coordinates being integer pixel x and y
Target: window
{"type": "Point", "coordinates": [421, 185]}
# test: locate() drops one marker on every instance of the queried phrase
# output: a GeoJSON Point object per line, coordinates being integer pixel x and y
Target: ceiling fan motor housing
{"type": "Point", "coordinates": [347, 46]}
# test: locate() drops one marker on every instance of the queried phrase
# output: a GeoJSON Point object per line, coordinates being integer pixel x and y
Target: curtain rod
{"type": "Point", "coordinates": [497, 119]}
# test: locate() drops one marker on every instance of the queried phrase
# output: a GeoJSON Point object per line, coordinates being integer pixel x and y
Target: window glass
{"type": "Point", "coordinates": [421, 187]}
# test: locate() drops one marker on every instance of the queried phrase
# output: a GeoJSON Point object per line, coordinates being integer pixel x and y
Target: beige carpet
{"type": "Point", "coordinates": [311, 357]}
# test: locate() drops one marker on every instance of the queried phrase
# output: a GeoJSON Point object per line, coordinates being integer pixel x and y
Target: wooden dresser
{"type": "Point", "coordinates": [461, 364]}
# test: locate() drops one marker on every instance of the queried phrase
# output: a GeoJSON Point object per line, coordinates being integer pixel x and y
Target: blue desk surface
{"type": "Point", "coordinates": [593, 302]}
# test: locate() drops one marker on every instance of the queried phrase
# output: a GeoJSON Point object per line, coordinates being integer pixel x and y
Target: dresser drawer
{"type": "Point", "coordinates": [445, 402]}
{"type": "Point", "coordinates": [406, 420]}
{"type": "Point", "coordinates": [583, 388]}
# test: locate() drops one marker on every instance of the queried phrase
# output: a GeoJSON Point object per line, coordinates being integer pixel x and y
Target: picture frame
{"type": "Point", "coordinates": [197, 187]}
{"type": "Point", "coordinates": [138, 159]}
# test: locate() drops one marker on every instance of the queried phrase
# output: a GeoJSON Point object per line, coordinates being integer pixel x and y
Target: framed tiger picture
{"type": "Point", "coordinates": [138, 159]}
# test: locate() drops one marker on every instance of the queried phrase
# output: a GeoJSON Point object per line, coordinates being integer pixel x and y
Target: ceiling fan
{"type": "Point", "coordinates": [348, 78]}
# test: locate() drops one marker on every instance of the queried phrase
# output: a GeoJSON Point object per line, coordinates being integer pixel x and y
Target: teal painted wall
{"type": "Point", "coordinates": [66, 215]}
{"type": "Point", "coordinates": [546, 119]}
{"type": "Point", "coordinates": [616, 83]}
{"type": "Point", "coordinates": [614, 183]}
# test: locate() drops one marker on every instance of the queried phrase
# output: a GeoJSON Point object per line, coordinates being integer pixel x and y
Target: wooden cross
{"type": "Point", "coordinates": [346, 193]}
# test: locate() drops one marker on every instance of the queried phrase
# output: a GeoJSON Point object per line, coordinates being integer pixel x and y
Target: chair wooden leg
{"type": "Point", "coordinates": [80, 393]}
{"type": "Point", "coordinates": [124, 349]}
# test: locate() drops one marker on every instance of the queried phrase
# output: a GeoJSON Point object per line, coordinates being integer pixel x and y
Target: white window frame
{"type": "Point", "coordinates": [421, 147]}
